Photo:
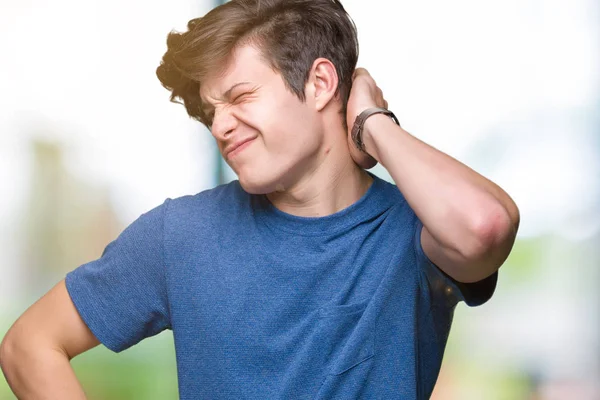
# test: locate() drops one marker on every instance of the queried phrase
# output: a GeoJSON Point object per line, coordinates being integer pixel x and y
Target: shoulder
{"type": "Point", "coordinates": [215, 198]}
{"type": "Point", "coordinates": [390, 198]}
{"type": "Point", "coordinates": [206, 206]}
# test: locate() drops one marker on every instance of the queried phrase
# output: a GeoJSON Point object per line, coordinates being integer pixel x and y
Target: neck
{"type": "Point", "coordinates": [334, 185]}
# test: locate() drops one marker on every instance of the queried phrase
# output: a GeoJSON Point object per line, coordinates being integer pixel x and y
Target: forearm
{"type": "Point", "coordinates": [456, 204]}
{"type": "Point", "coordinates": [39, 373]}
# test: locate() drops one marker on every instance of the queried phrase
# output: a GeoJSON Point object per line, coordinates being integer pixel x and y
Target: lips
{"type": "Point", "coordinates": [234, 146]}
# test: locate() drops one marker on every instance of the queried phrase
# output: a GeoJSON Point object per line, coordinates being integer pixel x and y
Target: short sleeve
{"type": "Point", "coordinates": [122, 296]}
{"type": "Point", "coordinates": [444, 286]}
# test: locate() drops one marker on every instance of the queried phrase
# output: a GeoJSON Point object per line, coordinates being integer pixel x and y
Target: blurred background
{"type": "Point", "coordinates": [89, 141]}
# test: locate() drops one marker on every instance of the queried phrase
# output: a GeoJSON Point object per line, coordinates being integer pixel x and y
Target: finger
{"type": "Point", "coordinates": [359, 71]}
{"type": "Point", "coordinates": [385, 104]}
{"type": "Point", "coordinates": [379, 97]}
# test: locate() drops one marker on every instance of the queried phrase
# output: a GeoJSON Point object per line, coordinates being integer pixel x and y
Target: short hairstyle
{"type": "Point", "coordinates": [290, 34]}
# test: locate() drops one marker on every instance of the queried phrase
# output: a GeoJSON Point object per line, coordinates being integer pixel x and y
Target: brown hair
{"type": "Point", "coordinates": [291, 35]}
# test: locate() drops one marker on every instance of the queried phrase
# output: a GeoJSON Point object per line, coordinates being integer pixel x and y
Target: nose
{"type": "Point", "coordinates": [224, 122]}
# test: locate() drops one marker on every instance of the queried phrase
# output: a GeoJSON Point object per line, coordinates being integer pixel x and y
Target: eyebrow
{"type": "Point", "coordinates": [226, 95]}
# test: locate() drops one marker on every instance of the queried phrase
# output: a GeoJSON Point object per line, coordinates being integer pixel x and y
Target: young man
{"type": "Point", "coordinates": [308, 278]}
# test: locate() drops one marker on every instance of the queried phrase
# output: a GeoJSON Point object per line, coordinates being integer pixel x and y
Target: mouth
{"type": "Point", "coordinates": [237, 148]}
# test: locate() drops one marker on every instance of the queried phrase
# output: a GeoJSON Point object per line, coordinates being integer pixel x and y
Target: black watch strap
{"type": "Point", "coordinates": [359, 123]}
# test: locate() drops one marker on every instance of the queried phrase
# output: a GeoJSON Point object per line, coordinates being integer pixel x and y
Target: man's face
{"type": "Point", "coordinates": [265, 133]}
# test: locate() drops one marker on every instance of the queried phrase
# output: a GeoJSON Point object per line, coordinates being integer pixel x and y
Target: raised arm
{"type": "Point", "coordinates": [469, 222]}
{"type": "Point", "coordinates": [35, 353]}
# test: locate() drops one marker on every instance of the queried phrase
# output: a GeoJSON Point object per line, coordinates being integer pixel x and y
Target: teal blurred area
{"type": "Point", "coordinates": [89, 141]}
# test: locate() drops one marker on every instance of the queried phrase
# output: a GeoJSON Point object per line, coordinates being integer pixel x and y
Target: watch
{"type": "Point", "coordinates": [359, 123]}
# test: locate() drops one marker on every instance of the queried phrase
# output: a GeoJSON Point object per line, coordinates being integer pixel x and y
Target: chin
{"type": "Point", "coordinates": [265, 178]}
{"type": "Point", "coordinates": [254, 184]}
{"type": "Point", "coordinates": [254, 189]}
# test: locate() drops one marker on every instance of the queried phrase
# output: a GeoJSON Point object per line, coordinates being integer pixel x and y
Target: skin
{"type": "Point", "coordinates": [36, 351]}
{"type": "Point", "coordinates": [302, 158]}
{"type": "Point", "coordinates": [299, 156]}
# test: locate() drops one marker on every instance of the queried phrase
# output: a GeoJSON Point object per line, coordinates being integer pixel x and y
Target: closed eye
{"type": "Point", "coordinates": [244, 94]}
{"type": "Point", "coordinates": [240, 98]}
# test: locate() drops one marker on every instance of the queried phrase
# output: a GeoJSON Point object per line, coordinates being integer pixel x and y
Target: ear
{"type": "Point", "coordinates": [322, 83]}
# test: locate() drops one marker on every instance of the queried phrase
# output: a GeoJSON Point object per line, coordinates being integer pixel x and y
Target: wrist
{"type": "Point", "coordinates": [371, 118]}
{"type": "Point", "coordinates": [374, 126]}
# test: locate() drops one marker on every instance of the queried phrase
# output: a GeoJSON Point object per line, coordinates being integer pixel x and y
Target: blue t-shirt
{"type": "Point", "coordinates": [267, 305]}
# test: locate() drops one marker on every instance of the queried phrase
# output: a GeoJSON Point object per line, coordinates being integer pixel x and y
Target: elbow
{"type": "Point", "coordinates": [498, 227]}
{"type": "Point", "coordinates": [15, 349]}
{"type": "Point", "coordinates": [6, 353]}
{"type": "Point", "coordinates": [494, 234]}
{"type": "Point", "coordinates": [11, 350]}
